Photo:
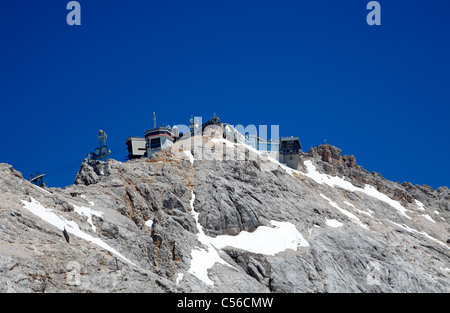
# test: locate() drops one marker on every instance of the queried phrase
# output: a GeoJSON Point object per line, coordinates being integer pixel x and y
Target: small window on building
{"type": "Point", "coordinates": [155, 143]}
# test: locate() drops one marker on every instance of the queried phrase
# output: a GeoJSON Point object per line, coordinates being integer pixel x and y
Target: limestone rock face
{"type": "Point", "coordinates": [153, 225]}
{"type": "Point", "coordinates": [332, 155]}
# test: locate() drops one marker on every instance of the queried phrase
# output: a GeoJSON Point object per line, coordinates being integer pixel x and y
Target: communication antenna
{"type": "Point", "coordinates": [102, 152]}
{"type": "Point", "coordinates": [154, 120]}
{"type": "Point", "coordinates": [102, 137]}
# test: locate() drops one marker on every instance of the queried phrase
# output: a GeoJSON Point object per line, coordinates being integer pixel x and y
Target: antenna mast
{"type": "Point", "coordinates": [154, 120]}
{"type": "Point", "coordinates": [102, 152]}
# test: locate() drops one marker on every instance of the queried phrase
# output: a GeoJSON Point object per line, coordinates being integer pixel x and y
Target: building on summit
{"type": "Point", "coordinates": [286, 150]}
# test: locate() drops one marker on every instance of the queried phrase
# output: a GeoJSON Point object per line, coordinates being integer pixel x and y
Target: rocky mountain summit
{"type": "Point", "coordinates": [210, 215]}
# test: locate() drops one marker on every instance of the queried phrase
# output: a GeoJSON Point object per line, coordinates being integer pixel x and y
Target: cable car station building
{"type": "Point", "coordinates": [285, 149]}
{"type": "Point", "coordinates": [158, 139]}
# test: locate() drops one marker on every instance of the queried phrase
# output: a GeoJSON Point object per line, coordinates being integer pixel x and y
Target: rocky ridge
{"type": "Point", "coordinates": [147, 226]}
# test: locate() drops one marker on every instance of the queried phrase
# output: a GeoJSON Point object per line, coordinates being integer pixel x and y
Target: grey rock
{"type": "Point", "coordinates": [109, 230]}
{"type": "Point", "coordinates": [392, 254]}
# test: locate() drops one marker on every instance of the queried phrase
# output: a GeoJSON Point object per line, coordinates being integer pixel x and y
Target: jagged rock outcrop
{"type": "Point", "coordinates": [154, 225]}
{"type": "Point", "coordinates": [330, 161]}
{"type": "Point", "coordinates": [332, 155]}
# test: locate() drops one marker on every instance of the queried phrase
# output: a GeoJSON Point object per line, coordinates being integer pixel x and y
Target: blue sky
{"type": "Point", "coordinates": [315, 68]}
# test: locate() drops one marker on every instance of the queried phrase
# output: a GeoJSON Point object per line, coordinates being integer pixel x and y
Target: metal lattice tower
{"type": "Point", "coordinates": [37, 179]}
{"type": "Point", "coordinates": [101, 153]}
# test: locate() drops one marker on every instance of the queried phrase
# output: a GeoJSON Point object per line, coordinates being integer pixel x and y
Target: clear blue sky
{"type": "Point", "coordinates": [315, 68]}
